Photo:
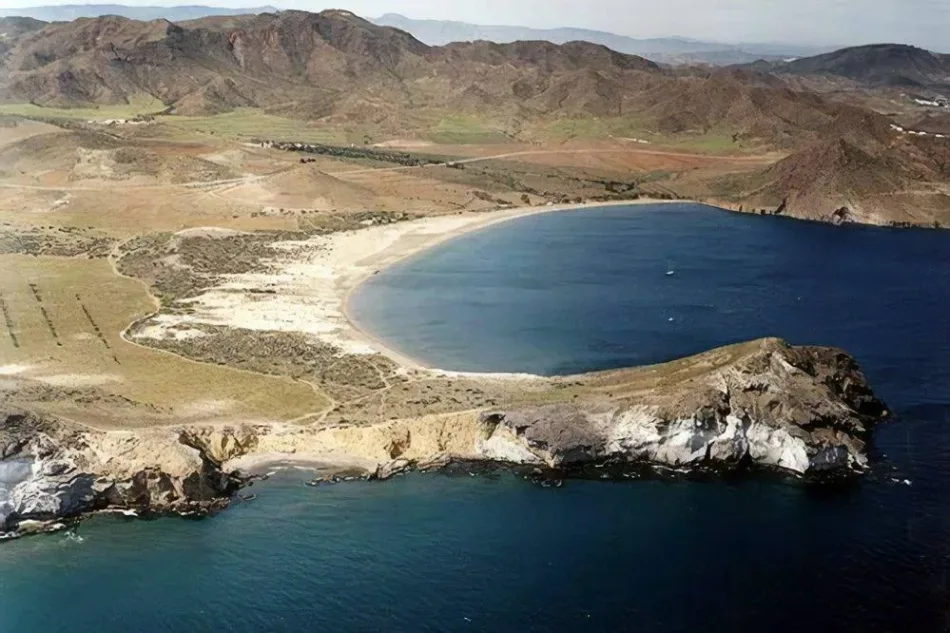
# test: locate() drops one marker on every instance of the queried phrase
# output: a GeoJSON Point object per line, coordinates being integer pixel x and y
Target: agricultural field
{"type": "Point", "coordinates": [61, 327]}
{"type": "Point", "coordinates": [467, 130]}
{"type": "Point", "coordinates": [250, 124]}
{"type": "Point", "coordinates": [140, 107]}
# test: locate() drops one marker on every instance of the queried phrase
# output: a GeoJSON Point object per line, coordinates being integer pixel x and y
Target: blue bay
{"type": "Point", "coordinates": [562, 293]}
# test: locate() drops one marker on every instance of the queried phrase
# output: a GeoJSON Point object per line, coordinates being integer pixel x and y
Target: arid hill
{"type": "Point", "coordinates": [932, 123]}
{"type": "Point", "coordinates": [335, 64]}
{"type": "Point", "coordinates": [839, 181]}
{"type": "Point", "coordinates": [13, 28]}
{"type": "Point", "coordinates": [878, 65]}
{"type": "Point", "coordinates": [88, 156]}
{"type": "Point", "coordinates": [844, 161]}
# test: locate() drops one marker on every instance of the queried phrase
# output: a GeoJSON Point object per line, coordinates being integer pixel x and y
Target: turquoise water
{"type": "Point", "coordinates": [555, 294]}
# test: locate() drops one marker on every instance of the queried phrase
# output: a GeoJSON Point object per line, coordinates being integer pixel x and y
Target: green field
{"type": "Point", "coordinates": [252, 123]}
{"type": "Point", "coordinates": [246, 124]}
{"type": "Point", "coordinates": [128, 111]}
{"type": "Point", "coordinates": [632, 127]}
{"type": "Point", "coordinates": [590, 128]}
{"type": "Point", "coordinates": [719, 143]}
{"type": "Point", "coordinates": [466, 130]}
{"type": "Point", "coordinates": [243, 124]}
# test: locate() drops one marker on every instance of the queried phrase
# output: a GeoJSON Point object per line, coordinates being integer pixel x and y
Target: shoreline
{"type": "Point", "coordinates": [309, 283]}
{"type": "Point", "coordinates": [257, 464]}
{"type": "Point", "coordinates": [348, 282]}
{"type": "Point", "coordinates": [375, 262]}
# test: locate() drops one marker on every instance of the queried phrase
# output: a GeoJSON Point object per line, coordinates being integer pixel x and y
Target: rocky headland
{"type": "Point", "coordinates": [806, 411]}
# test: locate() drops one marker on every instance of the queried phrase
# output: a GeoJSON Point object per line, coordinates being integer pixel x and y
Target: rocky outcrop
{"type": "Point", "coordinates": [803, 410]}
{"type": "Point", "coordinates": [806, 410]}
{"type": "Point", "coordinates": [390, 469]}
{"type": "Point", "coordinates": [50, 470]}
{"type": "Point", "coordinates": [890, 180]}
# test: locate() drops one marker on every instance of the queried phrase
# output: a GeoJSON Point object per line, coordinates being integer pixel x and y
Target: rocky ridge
{"type": "Point", "coordinates": [335, 64]}
{"type": "Point", "coordinates": [802, 410]}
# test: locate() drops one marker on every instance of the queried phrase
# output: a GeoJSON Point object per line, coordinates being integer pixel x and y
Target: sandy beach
{"type": "Point", "coordinates": [309, 282]}
{"type": "Point", "coordinates": [326, 464]}
{"type": "Point", "coordinates": [413, 238]}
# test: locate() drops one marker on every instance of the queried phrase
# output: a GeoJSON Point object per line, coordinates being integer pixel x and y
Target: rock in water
{"type": "Point", "coordinates": [390, 469]}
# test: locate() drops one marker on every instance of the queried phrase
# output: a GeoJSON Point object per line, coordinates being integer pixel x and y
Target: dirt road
{"type": "Point", "coordinates": [555, 152]}
{"type": "Point", "coordinates": [229, 182]}
{"type": "Point", "coordinates": [186, 185]}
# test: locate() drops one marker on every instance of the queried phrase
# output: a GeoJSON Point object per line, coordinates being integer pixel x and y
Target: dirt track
{"type": "Point", "coordinates": [554, 152]}
{"type": "Point", "coordinates": [193, 184]}
{"type": "Point", "coordinates": [352, 172]}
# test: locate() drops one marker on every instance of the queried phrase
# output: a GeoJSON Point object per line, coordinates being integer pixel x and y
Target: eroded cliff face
{"type": "Point", "coordinates": [804, 410]}
{"type": "Point", "coordinates": [51, 470]}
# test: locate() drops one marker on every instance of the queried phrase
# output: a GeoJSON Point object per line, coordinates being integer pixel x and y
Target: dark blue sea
{"type": "Point", "coordinates": [554, 294]}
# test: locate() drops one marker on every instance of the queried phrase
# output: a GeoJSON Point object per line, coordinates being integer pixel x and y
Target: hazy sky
{"type": "Point", "coordinates": [845, 22]}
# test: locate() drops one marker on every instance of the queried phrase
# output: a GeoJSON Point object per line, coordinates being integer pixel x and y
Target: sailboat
{"type": "Point", "coordinates": [669, 270]}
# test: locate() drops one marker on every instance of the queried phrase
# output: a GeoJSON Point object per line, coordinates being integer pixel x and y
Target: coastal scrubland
{"type": "Point", "coordinates": [159, 243]}
{"type": "Point", "coordinates": [175, 214]}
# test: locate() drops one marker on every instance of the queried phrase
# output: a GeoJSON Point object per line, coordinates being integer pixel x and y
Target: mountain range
{"type": "Point", "coordinates": [342, 70]}
{"type": "Point", "coordinates": [339, 69]}
{"type": "Point", "coordinates": [672, 50]}
{"type": "Point", "coordinates": [335, 64]}
{"type": "Point", "coordinates": [70, 12]}
{"type": "Point", "coordinates": [878, 65]}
